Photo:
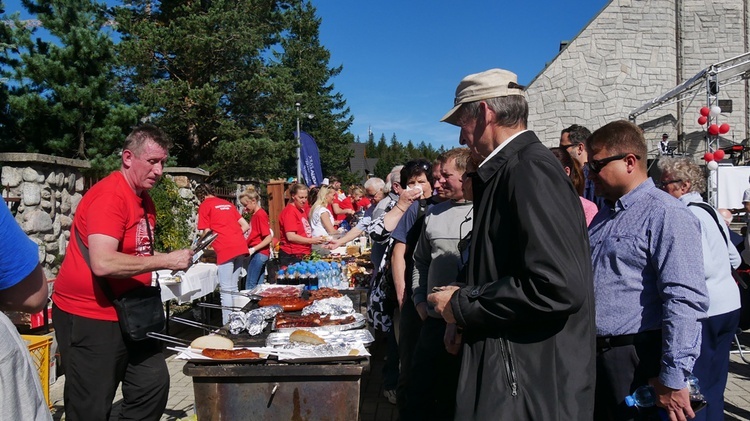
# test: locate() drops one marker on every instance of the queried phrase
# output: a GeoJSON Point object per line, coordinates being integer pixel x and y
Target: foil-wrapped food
{"type": "Point", "coordinates": [337, 306]}
{"type": "Point", "coordinates": [324, 350]}
{"type": "Point", "coordinates": [254, 321]}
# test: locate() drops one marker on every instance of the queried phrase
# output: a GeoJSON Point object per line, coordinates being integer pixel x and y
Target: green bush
{"type": "Point", "coordinates": [173, 213]}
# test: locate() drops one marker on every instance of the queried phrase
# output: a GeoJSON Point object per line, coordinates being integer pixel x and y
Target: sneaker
{"type": "Point", "coordinates": [390, 395]}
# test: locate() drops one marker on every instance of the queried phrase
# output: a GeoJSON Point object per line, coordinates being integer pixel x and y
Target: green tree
{"type": "Point", "coordinates": [172, 216]}
{"type": "Point", "coordinates": [64, 99]}
{"type": "Point", "coordinates": [309, 74]}
{"type": "Point", "coordinates": [199, 67]}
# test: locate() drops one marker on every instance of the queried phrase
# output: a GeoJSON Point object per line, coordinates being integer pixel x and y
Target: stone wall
{"type": "Point", "coordinates": [632, 52]}
{"type": "Point", "coordinates": [44, 192]}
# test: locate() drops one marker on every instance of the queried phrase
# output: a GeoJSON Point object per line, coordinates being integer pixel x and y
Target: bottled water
{"type": "Point", "coordinates": [645, 397]}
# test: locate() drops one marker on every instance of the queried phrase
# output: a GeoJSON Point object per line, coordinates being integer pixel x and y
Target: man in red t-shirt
{"type": "Point", "coordinates": [222, 217]}
{"type": "Point", "coordinates": [114, 221]}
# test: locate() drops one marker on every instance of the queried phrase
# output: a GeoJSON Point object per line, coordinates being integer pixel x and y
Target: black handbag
{"type": "Point", "coordinates": [139, 311]}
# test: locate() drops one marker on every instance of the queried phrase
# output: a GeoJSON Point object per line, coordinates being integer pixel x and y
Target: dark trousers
{"type": "Point", "coordinates": [712, 366]}
{"type": "Point", "coordinates": [410, 325]}
{"type": "Point", "coordinates": [96, 358]}
{"type": "Point", "coordinates": [619, 371]}
{"type": "Point", "coordinates": [390, 368]}
{"type": "Point", "coordinates": [434, 376]}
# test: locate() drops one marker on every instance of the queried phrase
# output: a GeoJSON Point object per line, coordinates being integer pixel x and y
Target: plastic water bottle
{"type": "Point", "coordinates": [645, 397]}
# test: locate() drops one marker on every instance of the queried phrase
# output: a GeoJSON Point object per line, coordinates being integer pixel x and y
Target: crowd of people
{"type": "Point", "coordinates": [511, 280]}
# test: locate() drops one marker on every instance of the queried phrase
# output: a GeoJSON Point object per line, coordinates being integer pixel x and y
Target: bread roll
{"type": "Point", "coordinates": [213, 342]}
{"type": "Point", "coordinates": [306, 337]}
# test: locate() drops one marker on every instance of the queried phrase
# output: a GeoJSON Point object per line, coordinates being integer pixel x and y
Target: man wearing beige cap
{"type": "Point", "coordinates": [526, 311]}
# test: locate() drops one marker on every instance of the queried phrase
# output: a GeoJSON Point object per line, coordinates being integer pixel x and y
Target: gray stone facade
{"type": "Point", "coordinates": [634, 51]}
{"type": "Point", "coordinates": [44, 191]}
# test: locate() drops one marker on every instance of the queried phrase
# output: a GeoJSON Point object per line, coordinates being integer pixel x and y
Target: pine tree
{"type": "Point", "coordinates": [64, 101]}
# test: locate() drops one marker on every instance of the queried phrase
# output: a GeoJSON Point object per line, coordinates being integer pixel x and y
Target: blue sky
{"type": "Point", "coordinates": [403, 59]}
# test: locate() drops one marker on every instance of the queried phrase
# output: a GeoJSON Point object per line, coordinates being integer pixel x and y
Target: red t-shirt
{"type": "Point", "coordinates": [222, 218]}
{"type": "Point", "coordinates": [362, 203]}
{"type": "Point", "coordinates": [112, 208]}
{"type": "Point", "coordinates": [344, 204]}
{"type": "Point", "coordinates": [292, 219]}
{"type": "Point", "coordinates": [260, 228]}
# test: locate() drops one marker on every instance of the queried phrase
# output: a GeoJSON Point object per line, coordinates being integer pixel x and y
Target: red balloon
{"type": "Point", "coordinates": [719, 155]}
{"type": "Point", "coordinates": [705, 111]}
{"type": "Point", "coordinates": [708, 157]}
{"type": "Point", "coordinates": [724, 128]}
{"type": "Point", "coordinates": [713, 129]}
{"type": "Point", "coordinates": [702, 120]}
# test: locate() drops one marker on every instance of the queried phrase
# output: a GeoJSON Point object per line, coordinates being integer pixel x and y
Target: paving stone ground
{"type": "Point", "coordinates": [375, 407]}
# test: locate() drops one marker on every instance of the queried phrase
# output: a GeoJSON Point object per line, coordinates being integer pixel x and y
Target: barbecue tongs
{"type": "Point", "coordinates": [199, 245]}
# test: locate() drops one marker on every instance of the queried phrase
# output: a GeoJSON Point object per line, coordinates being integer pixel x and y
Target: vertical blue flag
{"type": "Point", "coordinates": [310, 156]}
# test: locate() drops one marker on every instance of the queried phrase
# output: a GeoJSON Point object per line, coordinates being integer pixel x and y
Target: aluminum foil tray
{"type": "Point", "coordinates": [276, 339]}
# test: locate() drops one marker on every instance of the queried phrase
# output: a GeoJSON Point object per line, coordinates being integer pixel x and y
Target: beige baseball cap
{"type": "Point", "coordinates": [492, 83]}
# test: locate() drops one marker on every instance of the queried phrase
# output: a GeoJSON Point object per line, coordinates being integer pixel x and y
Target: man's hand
{"type": "Point", "coordinates": [452, 339]}
{"type": "Point", "coordinates": [179, 259]}
{"type": "Point", "coordinates": [422, 310]}
{"type": "Point", "coordinates": [442, 302]}
{"type": "Point", "coordinates": [675, 402]}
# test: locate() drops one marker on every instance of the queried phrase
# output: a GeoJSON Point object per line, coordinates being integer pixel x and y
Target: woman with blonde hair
{"type": "Point", "coordinates": [259, 239]}
{"type": "Point", "coordinates": [321, 219]}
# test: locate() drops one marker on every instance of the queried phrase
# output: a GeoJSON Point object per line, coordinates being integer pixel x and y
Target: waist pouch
{"type": "Point", "coordinates": [139, 312]}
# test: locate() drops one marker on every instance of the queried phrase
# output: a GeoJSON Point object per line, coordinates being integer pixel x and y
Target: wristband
{"type": "Point", "coordinates": [252, 250]}
{"type": "Point", "coordinates": [399, 208]}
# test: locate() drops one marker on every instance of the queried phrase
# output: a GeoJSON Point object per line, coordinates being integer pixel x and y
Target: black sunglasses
{"type": "Point", "coordinates": [663, 185]}
{"type": "Point", "coordinates": [597, 165]}
{"type": "Point", "coordinates": [568, 146]}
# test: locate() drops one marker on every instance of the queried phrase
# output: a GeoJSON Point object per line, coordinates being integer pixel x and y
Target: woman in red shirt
{"type": "Point", "coordinates": [221, 217]}
{"type": "Point", "coordinates": [296, 234]}
{"type": "Point", "coordinates": [259, 239]}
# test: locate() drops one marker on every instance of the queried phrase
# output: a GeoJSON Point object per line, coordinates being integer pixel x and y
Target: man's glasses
{"type": "Point", "coordinates": [597, 165]}
{"type": "Point", "coordinates": [568, 146]}
{"type": "Point", "coordinates": [663, 185]}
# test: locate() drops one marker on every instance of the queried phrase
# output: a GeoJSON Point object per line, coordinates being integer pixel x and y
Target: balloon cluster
{"type": "Point", "coordinates": [713, 129]}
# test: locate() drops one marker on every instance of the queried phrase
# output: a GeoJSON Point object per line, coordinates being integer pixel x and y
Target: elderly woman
{"type": "Point", "coordinates": [260, 237]}
{"type": "Point", "coordinates": [321, 219]}
{"type": "Point", "coordinates": [684, 180]}
{"type": "Point", "coordinates": [296, 233]}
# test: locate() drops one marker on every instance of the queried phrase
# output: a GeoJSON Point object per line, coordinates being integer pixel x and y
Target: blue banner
{"type": "Point", "coordinates": [310, 156]}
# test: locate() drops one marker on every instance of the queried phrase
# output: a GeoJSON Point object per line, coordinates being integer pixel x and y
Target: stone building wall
{"type": "Point", "coordinates": [44, 191]}
{"type": "Point", "coordinates": [632, 52]}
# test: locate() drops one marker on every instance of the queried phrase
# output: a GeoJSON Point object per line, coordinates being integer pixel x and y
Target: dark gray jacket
{"type": "Point", "coordinates": [528, 308]}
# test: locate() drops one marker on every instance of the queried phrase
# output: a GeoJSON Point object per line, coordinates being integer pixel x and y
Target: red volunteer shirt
{"type": "Point", "coordinates": [260, 228]}
{"type": "Point", "coordinates": [222, 217]}
{"type": "Point", "coordinates": [111, 208]}
{"type": "Point", "coordinates": [292, 219]}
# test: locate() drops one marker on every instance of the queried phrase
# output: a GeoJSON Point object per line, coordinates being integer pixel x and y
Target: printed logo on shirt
{"type": "Point", "coordinates": [223, 207]}
{"type": "Point", "coordinates": [142, 241]}
{"type": "Point", "coordinates": [306, 224]}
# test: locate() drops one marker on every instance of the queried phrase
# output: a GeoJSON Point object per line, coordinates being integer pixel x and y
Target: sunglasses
{"type": "Point", "coordinates": [596, 165]}
{"type": "Point", "coordinates": [663, 185]}
{"type": "Point", "coordinates": [569, 146]}
{"type": "Point", "coordinates": [421, 164]}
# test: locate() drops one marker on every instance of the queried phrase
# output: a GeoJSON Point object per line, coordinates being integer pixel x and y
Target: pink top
{"type": "Point", "coordinates": [589, 209]}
